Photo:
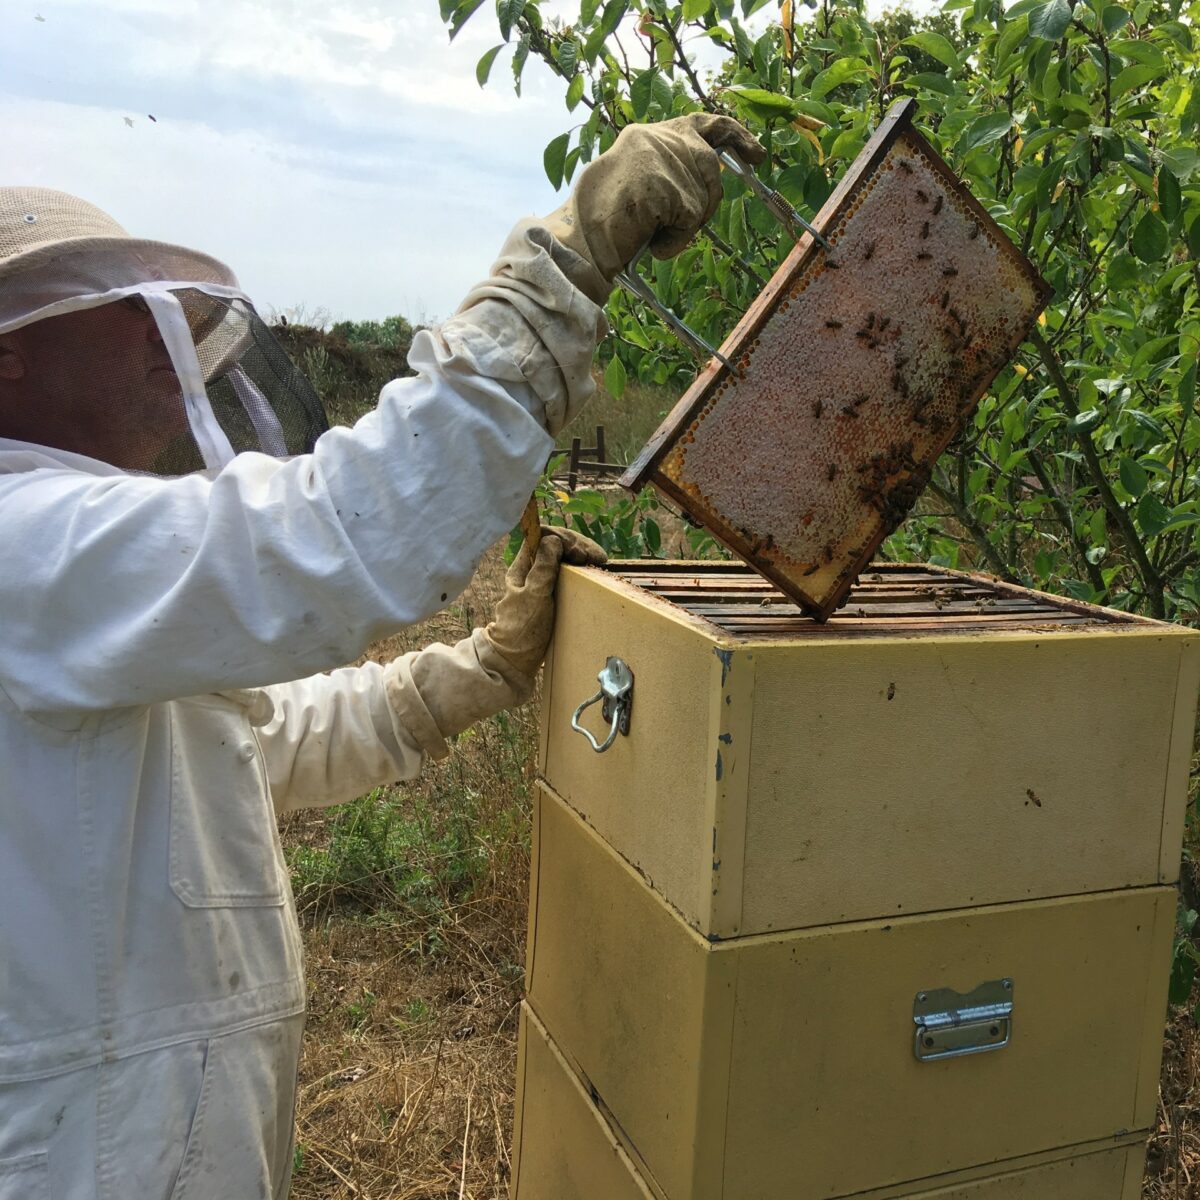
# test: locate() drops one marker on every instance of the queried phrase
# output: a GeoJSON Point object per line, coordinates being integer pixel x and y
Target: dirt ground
{"type": "Point", "coordinates": [414, 977]}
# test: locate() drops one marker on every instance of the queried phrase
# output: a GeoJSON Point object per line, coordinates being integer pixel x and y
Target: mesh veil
{"type": "Point", "coordinates": [155, 375]}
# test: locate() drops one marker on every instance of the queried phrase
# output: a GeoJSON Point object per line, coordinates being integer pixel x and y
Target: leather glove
{"type": "Point", "coordinates": [656, 183]}
{"type": "Point", "coordinates": [439, 691]}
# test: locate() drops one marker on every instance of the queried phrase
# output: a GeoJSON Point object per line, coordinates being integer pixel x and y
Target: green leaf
{"type": "Point", "coordinates": [614, 11]}
{"type": "Point", "coordinates": [762, 105]}
{"type": "Point", "coordinates": [791, 183]}
{"type": "Point", "coordinates": [484, 67]}
{"type": "Point", "coordinates": [652, 534]}
{"type": "Point", "coordinates": [520, 56]}
{"type": "Point", "coordinates": [1150, 239]}
{"type": "Point", "coordinates": [1193, 236]}
{"type": "Point", "coordinates": [984, 130]}
{"type": "Point", "coordinates": [461, 13]}
{"type": "Point", "coordinates": [1035, 141]}
{"type": "Point", "coordinates": [614, 378]}
{"type": "Point", "coordinates": [1086, 421]}
{"type": "Point", "coordinates": [566, 53]}
{"type": "Point", "coordinates": [640, 92]}
{"type": "Point", "coordinates": [1170, 199]}
{"type": "Point", "coordinates": [575, 92]}
{"type": "Point", "coordinates": [1152, 514]}
{"type": "Point", "coordinates": [1148, 423]}
{"type": "Point", "coordinates": [936, 46]}
{"type": "Point", "coordinates": [1179, 519]}
{"type": "Point", "coordinates": [1133, 77]}
{"type": "Point", "coordinates": [931, 83]}
{"type": "Point", "coordinates": [693, 10]}
{"type": "Point", "coordinates": [1183, 973]}
{"type": "Point", "coordinates": [1123, 271]}
{"type": "Point", "coordinates": [661, 92]}
{"type": "Point", "coordinates": [554, 159]}
{"type": "Point", "coordinates": [507, 12]}
{"type": "Point", "coordinates": [1014, 34]}
{"type": "Point", "coordinates": [843, 70]}
{"type": "Point", "coordinates": [1049, 21]}
{"type": "Point", "coordinates": [737, 223]}
{"type": "Point", "coordinates": [1133, 476]}
{"type": "Point", "coordinates": [1114, 17]}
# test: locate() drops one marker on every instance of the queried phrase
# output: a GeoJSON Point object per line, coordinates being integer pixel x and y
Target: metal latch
{"type": "Point", "coordinates": [951, 1024]}
{"type": "Point", "coordinates": [616, 697]}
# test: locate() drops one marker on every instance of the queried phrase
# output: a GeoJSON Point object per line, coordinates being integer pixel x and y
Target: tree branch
{"type": "Point", "coordinates": [978, 534]}
{"type": "Point", "coordinates": [1121, 518]}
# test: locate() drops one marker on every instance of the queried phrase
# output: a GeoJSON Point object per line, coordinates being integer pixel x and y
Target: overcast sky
{"type": "Point", "coordinates": [338, 155]}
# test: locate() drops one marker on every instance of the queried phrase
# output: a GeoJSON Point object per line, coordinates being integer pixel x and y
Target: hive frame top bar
{"type": "Point", "coordinates": [792, 277]}
{"type": "Point", "coordinates": [890, 600]}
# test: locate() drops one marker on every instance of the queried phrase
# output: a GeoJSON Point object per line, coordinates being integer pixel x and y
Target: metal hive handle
{"type": "Point", "coordinates": [616, 695]}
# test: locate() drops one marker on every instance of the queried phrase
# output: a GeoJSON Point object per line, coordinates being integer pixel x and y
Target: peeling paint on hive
{"type": "Point", "coordinates": [853, 381]}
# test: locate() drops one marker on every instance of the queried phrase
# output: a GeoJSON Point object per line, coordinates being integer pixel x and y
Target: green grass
{"type": "Point", "coordinates": [414, 855]}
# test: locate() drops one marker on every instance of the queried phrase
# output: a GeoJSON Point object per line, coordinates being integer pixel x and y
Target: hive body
{"type": "Point", "coordinates": [807, 825]}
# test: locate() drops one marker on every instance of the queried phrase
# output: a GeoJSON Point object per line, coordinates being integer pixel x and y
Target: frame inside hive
{"type": "Point", "coordinates": [851, 373]}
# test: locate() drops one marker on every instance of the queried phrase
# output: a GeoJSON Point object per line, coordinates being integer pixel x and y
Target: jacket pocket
{"type": "Point", "coordinates": [224, 848]}
{"type": "Point", "coordinates": [26, 1178]}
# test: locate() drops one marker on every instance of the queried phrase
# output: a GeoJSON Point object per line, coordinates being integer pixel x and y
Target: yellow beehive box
{"type": "Point", "coordinates": [943, 742]}
{"type": "Point", "coordinates": [789, 1064]}
{"type": "Point", "coordinates": [564, 1149]}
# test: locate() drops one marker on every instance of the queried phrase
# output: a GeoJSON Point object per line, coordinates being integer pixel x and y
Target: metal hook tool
{"type": "Point", "coordinates": [632, 282]}
{"type": "Point", "coordinates": [772, 199]}
{"type": "Point", "coordinates": [791, 220]}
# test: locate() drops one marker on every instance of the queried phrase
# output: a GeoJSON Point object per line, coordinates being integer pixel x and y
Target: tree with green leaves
{"type": "Point", "coordinates": [1073, 123]}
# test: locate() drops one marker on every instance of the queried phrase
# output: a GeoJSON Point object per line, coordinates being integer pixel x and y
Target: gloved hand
{"type": "Point", "coordinates": [439, 691]}
{"type": "Point", "coordinates": [656, 183]}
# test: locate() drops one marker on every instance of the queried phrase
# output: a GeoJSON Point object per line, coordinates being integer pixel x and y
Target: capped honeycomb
{"type": "Point", "coordinates": [852, 372]}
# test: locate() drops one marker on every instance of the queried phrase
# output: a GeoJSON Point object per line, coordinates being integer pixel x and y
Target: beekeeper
{"type": "Point", "coordinates": [182, 536]}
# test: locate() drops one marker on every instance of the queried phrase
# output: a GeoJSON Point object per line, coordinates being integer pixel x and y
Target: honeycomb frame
{"type": "Point", "coordinates": [851, 373]}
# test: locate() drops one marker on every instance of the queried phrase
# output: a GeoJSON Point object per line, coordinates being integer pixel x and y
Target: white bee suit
{"type": "Point", "coordinates": [151, 985]}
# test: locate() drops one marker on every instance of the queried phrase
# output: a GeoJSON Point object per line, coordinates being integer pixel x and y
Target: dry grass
{"type": "Point", "coordinates": [414, 972]}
